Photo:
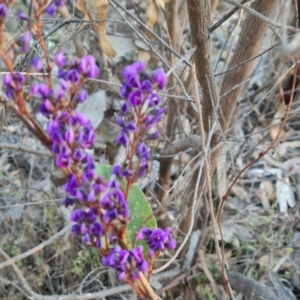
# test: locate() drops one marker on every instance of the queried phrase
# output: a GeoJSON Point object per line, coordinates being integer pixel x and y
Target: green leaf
{"type": "Point", "coordinates": [139, 207]}
{"type": "Point", "coordinates": [140, 212]}
{"type": "Point", "coordinates": [104, 170]}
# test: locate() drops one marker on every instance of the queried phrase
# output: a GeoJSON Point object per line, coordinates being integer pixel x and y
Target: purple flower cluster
{"type": "Point", "coordinates": [158, 240]}
{"type": "Point", "coordinates": [127, 263]}
{"type": "Point", "coordinates": [88, 226]}
{"type": "Point", "coordinates": [140, 114]}
{"type": "Point", "coordinates": [102, 210]}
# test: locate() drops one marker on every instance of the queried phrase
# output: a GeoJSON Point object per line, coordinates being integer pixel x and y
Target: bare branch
{"type": "Point", "coordinates": [225, 17]}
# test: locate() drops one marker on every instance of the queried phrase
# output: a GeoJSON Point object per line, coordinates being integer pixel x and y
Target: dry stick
{"type": "Point", "coordinates": [206, 167]}
{"type": "Point", "coordinates": [149, 290]}
{"type": "Point", "coordinates": [191, 225]}
{"type": "Point", "coordinates": [199, 13]}
{"type": "Point", "coordinates": [261, 155]}
{"type": "Point", "coordinates": [24, 149]}
{"type": "Point", "coordinates": [36, 248]}
{"type": "Point", "coordinates": [198, 17]}
{"type": "Point", "coordinates": [225, 17]}
{"type": "Point", "coordinates": [193, 141]}
{"type": "Point", "coordinates": [262, 17]}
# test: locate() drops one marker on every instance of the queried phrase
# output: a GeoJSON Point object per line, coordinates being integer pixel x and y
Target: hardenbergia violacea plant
{"type": "Point", "coordinates": [104, 198]}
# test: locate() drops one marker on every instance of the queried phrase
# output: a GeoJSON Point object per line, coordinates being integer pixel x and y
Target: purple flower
{"type": "Point", "coordinates": [67, 202]}
{"type": "Point", "coordinates": [88, 67]}
{"type": "Point", "coordinates": [146, 86]}
{"type": "Point", "coordinates": [143, 152]}
{"type": "Point", "coordinates": [74, 76]}
{"type": "Point", "coordinates": [21, 15]}
{"type": "Point", "coordinates": [44, 90]}
{"type": "Point", "coordinates": [51, 10]}
{"type": "Point", "coordinates": [63, 161]}
{"type": "Point", "coordinates": [8, 80]}
{"type": "Point", "coordinates": [160, 78]}
{"type": "Point", "coordinates": [123, 139]}
{"type": "Point", "coordinates": [82, 96]}
{"type": "Point", "coordinates": [125, 108]}
{"type": "Point", "coordinates": [125, 90]}
{"type": "Point", "coordinates": [158, 239]}
{"type": "Point", "coordinates": [37, 63]}
{"type": "Point", "coordinates": [127, 263]}
{"type": "Point", "coordinates": [24, 41]}
{"type": "Point", "coordinates": [70, 135]}
{"type": "Point", "coordinates": [81, 119]}
{"type": "Point", "coordinates": [154, 136]}
{"type": "Point", "coordinates": [154, 100]}
{"type": "Point", "coordinates": [60, 59]}
{"type": "Point", "coordinates": [3, 11]}
{"type": "Point", "coordinates": [72, 185]}
{"type": "Point", "coordinates": [64, 85]}
{"type": "Point", "coordinates": [34, 89]}
{"type": "Point", "coordinates": [133, 70]}
{"type": "Point", "coordinates": [136, 98]}
{"type": "Point", "coordinates": [14, 81]}
{"type": "Point", "coordinates": [78, 154]}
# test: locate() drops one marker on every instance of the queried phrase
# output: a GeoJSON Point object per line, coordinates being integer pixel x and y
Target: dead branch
{"type": "Point", "coordinates": [193, 141]}
{"type": "Point", "coordinates": [24, 149]}
{"type": "Point", "coordinates": [225, 17]}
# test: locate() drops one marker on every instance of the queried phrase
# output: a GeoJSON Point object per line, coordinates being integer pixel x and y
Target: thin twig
{"type": "Point", "coordinates": [24, 149]}
{"type": "Point", "coordinates": [35, 249]}
{"type": "Point", "coordinates": [225, 17]}
{"type": "Point", "coordinates": [262, 17]}
{"type": "Point", "coordinates": [208, 179]}
{"type": "Point", "coordinates": [187, 236]}
{"type": "Point", "coordinates": [193, 141]}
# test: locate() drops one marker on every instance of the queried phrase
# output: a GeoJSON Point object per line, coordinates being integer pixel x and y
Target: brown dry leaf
{"type": "Point", "coordinates": [264, 261]}
{"type": "Point", "coordinates": [266, 193]}
{"type": "Point", "coordinates": [102, 7]}
{"type": "Point", "coordinates": [276, 122]}
{"type": "Point", "coordinates": [144, 56]}
{"type": "Point", "coordinates": [152, 13]}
